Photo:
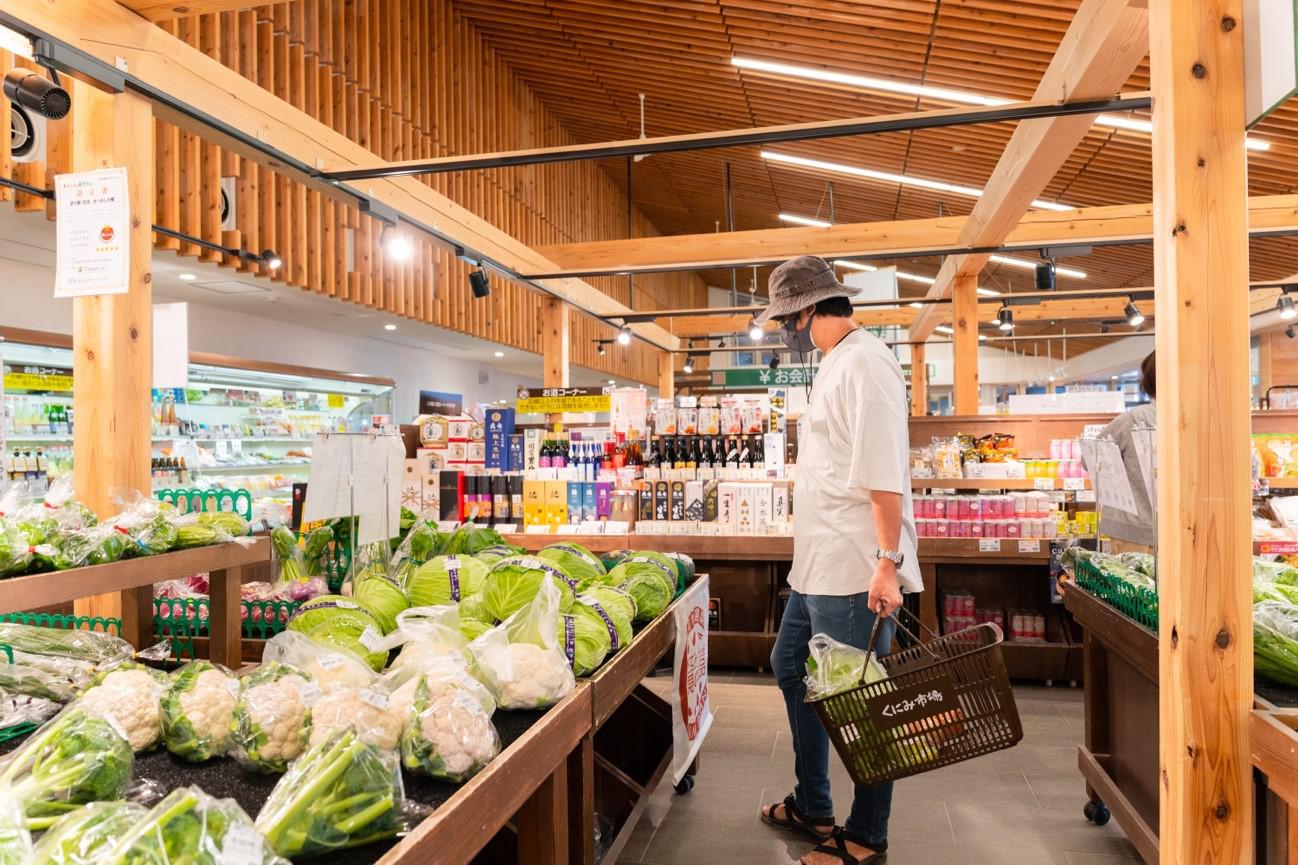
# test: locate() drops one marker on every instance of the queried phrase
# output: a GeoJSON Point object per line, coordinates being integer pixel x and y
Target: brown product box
{"type": "Point", "coordinates": [476, 451]}
{"type": "Point", "coordinates": [478, 433]}
{"type": "Point", "coordinates": [624, 507]}
{"type": "Point", "coordinates": [677, 500]}
{"type": "Point", "coordinates": [710, 489]}
{"type": "Point", "coordinates": [662, 501]}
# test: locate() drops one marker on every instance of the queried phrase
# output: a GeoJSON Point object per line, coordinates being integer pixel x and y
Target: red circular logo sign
{"type": "Point", "coordinates": [693, 682]}
{"type": "Point", "coordinates": [106, 233]}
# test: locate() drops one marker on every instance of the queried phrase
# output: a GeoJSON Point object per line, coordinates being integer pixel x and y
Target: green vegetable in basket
{"type": "Point", "coordinates": [834, 667]}
{"type": "Point", "coordinates": [513, 582]}
{"type": "Point", "coordinates": [189, 827]}
{"type": "Point", "coordinates": [580, 563]}
{"type": "Point", "coordinates": [445, 580]}
{"type": "Point", "coordinates": [72, 760]}
{"type": "Point", "coordinates": [85, 836]}
{"type": "Point", "coordinates": [341, 793]}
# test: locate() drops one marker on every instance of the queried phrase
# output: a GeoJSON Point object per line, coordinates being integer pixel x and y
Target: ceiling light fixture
{"type": "Point", "coordinates": [397, 246]}
{"type": "Point", "coordinates": [1288, 331]}
{"type": "Point", "coordinates": [996, 320]}
{"type": "Point", "coordinates": [479, 283]}
{"type": "Point", "coordinates": [1007, 319]}
{"type": "Point", "coordinates": [1285, 306]}
{"type": "Point", "coordinates": [888, 177]}
{"type": "Point", "coordinates": [389, 327]}
{"type": "Point", "coordinates": [755, 332]}
{"type": "Point", "coordinates": [186, 277]}
{"type": "Point", "coordinates": [1044, 279]}
{"type": "Point", "coordinates": [804, 220]}
{"type": "Point", "coordinates": [941, 94]}
{"type": "Point", "coordinates": [502, 354]}
{"type": "Point", "coordinates": [1032, 265]}
{"type": "Point", "coordinates": [689, 365]}
{"type": "Point", "coordinates": [612, 381]}
{"type": "Point", "coordinates": [942, 328]}
{"type": "Point", "coordinates": [599, 348]}
{"type": "Point", "coordinates": [37, 93]}
{"type": "Point", "coordinates": [1135, 317]}
{"type": "Point", "coordinates": [624, 335]}
{"type": "Point", "coordinates": [15, 43]}
{"type": "Point", "coordinates": [271, 259]}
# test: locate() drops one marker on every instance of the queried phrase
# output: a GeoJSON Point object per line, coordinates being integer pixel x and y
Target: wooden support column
{"type": "Point", "coordinates": [666, 375]}
{"type": "Point", "coordinates": [543, 823]}
{"type": "Point", "coordinates": [918, 381]}
{"type": "Point", "coordinates": [112, 336]}
{"type": "Point", "coordinates": [555, 341]}
{"type": "Point", "coordinates": [1204, 543]}
{"type": "Point", "coordinates": [964, 315]}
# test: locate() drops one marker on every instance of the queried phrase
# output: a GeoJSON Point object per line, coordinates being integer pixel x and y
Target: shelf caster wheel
{"type": "Point", "coordinates": [685, 786]}
{"type": "Point", "coordinates": [1096, 812]}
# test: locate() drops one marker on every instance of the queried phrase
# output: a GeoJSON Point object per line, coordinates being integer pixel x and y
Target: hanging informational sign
{"type": "Point", "coordinates": [1145, 440]}
{"type": "Point", "coordinates": [92, 233]}
{"type": "Point", "coordinates": [46, 382]}
{"type": "Point", "coordinates": [437, 402]}
{"type": "Point", "coordinates": [629, 411]}
{"type": "Point", "coordinates": [357, 474]}
{"type": "Point", "coordinates": [1112, 487]}
{"type": "Point", "coordinates": [691, 711]}
{"type": "Point", "coordinates": [171, 345]}
{"type": "Point", "coordinates": [762, 376]}
{"type": "Point", "coordinates": [1270, 56]}
{"type": "Point", "coordinates": [555, 400]}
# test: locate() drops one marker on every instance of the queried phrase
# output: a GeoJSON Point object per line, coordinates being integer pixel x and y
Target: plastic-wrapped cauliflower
{"type": "Point", "coordinates": [128, 698]}
{"type": "Point", "coordinates": [449, 736]}
{"type": "Point", "coordinates": [369, 710]}
{"type": "Point", "coordinates": [197, 710]}
{"type": "Point", "coordinates": [439, 674]}
{"type": "Point", "coordinates": [521, 660]}
{"type": "Point", "coordinates": [325, 665]}
{"type": "Point", "coordinates": [272, 718]}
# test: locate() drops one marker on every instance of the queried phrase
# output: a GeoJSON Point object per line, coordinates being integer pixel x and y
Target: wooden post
{"type": "Point", "coordinates": [666, 375]}
{"type": "Point", "coordinates": [965, 355]}
{"type": "Point", "coordinates": [112, 343]}
{"type": "Point", "coordinates": [555, 346]}
{"type": "Point", "coordinates": [581, 802]}
{"type": "Point", "coordinates": [1205, 653]}
{"type": "Point", "coordinates": [918, 382]}
{"type": "Point", "coordinates": [543, 823]}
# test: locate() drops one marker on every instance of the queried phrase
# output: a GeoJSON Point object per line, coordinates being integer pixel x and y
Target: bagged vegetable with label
{"type": "Point", "coordinates": [368, 711]}
{"type": "Point", "coordinates": [577, 561]}
{"type": "Point", "coordinates": [19, 709]}
{"type": "Point", "coordinates": [433, 648]}
{"type": "Point", "coordinates": [339, 622]}
{"type": "Point", "coordinates": [190, 827]}
{"type": "Point", "coordinates": [522, 660]}
{"type": "Point", "coordinates": [834, 667]}
{"type": "Point", "coordinates": [288, 556]}
{"type": "Point", "coordinates": [341, 793]}
{"type": "Point", "coordinates": [445, 580]}
{"type": "Point", "coordinates": [74, 759]}
{"type": "Point", "coordinates": [56, 663]}
{"type": "Point", "coordinates": [323, 664]}
{"type": "Point", "coordinates": [419, 546]}
{"type": "Point", "coordinates": [85, 836]}
{"type": "Point", "coordinates": [129, 699]}
{"type": "Point", "coordinates": [448, 735]}
{"type": "Point", "coordinates": [470, 539]}
{"type": "Point", "coordinates": [1275, 641]}
{"type": "Point", "coordinates": [210, 527]}
{"type": "Point", "coordinates": [15, 840]}
{"type": "Point", "coordinates": [315, 550]}
{"type": "Point", "coordinates": [272, 717]}
{"type": "Point", "coordinates": [147, 523]}
{"type": "Point", "coordinates": [513, 582]}
{"type": "Point", "coordinates": [197, 711]}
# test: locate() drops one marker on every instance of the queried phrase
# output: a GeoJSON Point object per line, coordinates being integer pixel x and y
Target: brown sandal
{"type": "Point", "coordinates": [836, 845]}
{"type": "Point", "coordinates": [795, 821]}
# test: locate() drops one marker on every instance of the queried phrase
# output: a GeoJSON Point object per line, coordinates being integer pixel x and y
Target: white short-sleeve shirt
{"type": "Point", "coordinates": [852, 439]}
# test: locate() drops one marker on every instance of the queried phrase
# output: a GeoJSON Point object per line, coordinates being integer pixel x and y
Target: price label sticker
{"type": "Point", "coordinates": [370, 638]}
{"type": "Point", "coordinates": [989, 545]}
{"type": "Point", "coordinates": [377, 699]}
{"type": "Point", "coordinates": [1085, 496]}
{"type": "Point", "coordinates": [1043, 483]}
{"type": "Point", "coordinates": [242, 845]}
{"type": "Point", "coordinates": [448, 525]}
{"type": "Point", "coordinates": [309, 692]}
{"type": "Point", "coordinates": [537, 530]}
{"type": "Point", "coordinates": [1030, 546]}
{"type": "Point", "coordinates": [222, 447]}
{"type": "Point", "coordinates": [236, 446]}
{"type": "Point", "coordinates": [616, 527]}
{"type": "Point", "coordinates": [1076, 484]}
{"type": "Point", "coordinates": [591, 527]}
{"type": "Point", "coordinates": [567, 529]}
{"type": "Point", "coordinates": [330, 661]}
{"type": "Point", "coordinates": [507, 528]}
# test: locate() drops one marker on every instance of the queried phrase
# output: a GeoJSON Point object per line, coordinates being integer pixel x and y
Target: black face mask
{"type": "Point", "coordinates": [796, 339]}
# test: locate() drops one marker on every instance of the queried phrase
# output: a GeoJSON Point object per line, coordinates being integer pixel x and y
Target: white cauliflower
{"type": "Point", "coordinates": [272, 718]}
{"type": "Point", "coordinates": [197, 710]}
{"type": "Point", "coordinates": [442, 673]}
{"type": "Point", "coordinates": [336, 669]}
{"type": "Point", "coordinates": [369, 711]}
{"type": "Point", "coordinates": [128, 699]}
{"type": "Point", "coordinates": [451, 737]}
{"type": "Point", "coordinates": [529, 677]}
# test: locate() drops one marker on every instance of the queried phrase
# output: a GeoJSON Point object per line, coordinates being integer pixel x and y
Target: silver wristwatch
{"type": "Point", "coordinates": [891, 555]}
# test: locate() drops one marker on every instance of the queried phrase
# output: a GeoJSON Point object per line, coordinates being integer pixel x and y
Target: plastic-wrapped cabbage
{"type": "Point", "coordinates": [475, 607]}
{"type": "Point", "coordinates": [577, 561]}
{"type": "Point", "coordinates": [342, 623]}
{"type": "Point", "coordinates": [341, 793]}
{"type": "Point", "coordinates": [74, 759]}
{"type": "Point", "coordinates": [1275, 641]}
{"type": "Point", "coordinates": [383, 598]}
{"type": "Point", "coordinates": [1275, 572]}
{"type": "Point", "coordinates": [445, 580]}
{"type": "Point", "coordinates": [448, 735]}
{"type": "Point", "coordinates": [419, 545]}
{"type": "Point", "coordinates": [470, 539]}
{"type": "Point", "coordinates": [324, 664]}
{"type": "Point", "coordinates": [496, 552]}
{"type": "Point", "coordinates": [648, 580]}
{"type": "Point", "coordinates": [834, 667]}
{"type": "Point", "coordinates": [188, 826]}
{"type": "Point", "coordinates": [619, 606]}
{"type": "Point", "coordinates": [197, 710]}
{"type": "Point", "coordinates": [15, 839]}
{"type": "Point", "coordinates": [513, 582]}
{"type": "Point", "coordinates": [586, 637]}
{"type": "Point", "coordinates": [128, 698]}
{"type": "Point", "coordinates": [85, 836]}
{"type": "Point", "coordinates": [473, 628]}
{"type": "Point", "coordinates": [522, 660]}
{"type": "Point", "coordinates": [272, 718]}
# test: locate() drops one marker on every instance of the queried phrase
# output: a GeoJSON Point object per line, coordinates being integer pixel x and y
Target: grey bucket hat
{"type": "Point", "coordinates": [799, 283]}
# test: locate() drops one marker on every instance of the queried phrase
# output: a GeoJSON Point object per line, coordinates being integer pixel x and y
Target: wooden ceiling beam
{"type": "Point", "coordinates": [160, 11]}
{"type": "Point", "coordinates": [1102, 47]}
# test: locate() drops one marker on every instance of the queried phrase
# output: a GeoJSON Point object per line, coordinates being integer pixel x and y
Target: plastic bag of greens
{"type": "Point", "coordinates": [19, 709]}
{"type": "Point", "coordinates": [272, 717]}
{"type": "Point", "coordinates": [85, 836]}
{"type": "Point", "coordinates": [15, 839]}
{"type": "Point", "coordinates": [445, 580]}
{"type": "Point", "coordinates": [288, 556]}
{"type": "Point", "coordinates": [375, 589]}
{"type": "Point", "coordinates": [192, 827]}
{"type": "Point", "coordinates": [470, 539]}
{"type": "Point", "coordinates": [340, 793]}
{"type": "Point", "coordinates": [333, 620]}
{"type": "Point", "coordinates": [1275, 641]}
{"type": "Point", "coordinates": [15, 549]}
{"type": "Point", "coordinates": [834, 667]}
{"type": "Point", "coordinates": [74, 759]}
{"type": "Point", "coordinates": [129, 698]}
{"type": "Point", "coordinates": [448, 734]}
{"type": "Point", "coordinates": [210, 527]}
{"type": "Point", "coordinates": [577, 561]}
{"type": "Point", "coordinates": [513, 582]}
{"type": "Point", "coordinates": [522, 660]}
{"type": "Point", "coordinates": [147, 522]}
{"type": "Point", "coordinates": [315, 550]}
{"type": "Point", "coordinates": [418, 546]}
{"type": "Point", "coordinates": [649, 580]}
{"type": "Point", "coordinates": [197, 711]}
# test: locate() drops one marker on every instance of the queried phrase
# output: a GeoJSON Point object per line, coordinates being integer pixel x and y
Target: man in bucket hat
{"type": "Point", "coordinates": [854, 539]}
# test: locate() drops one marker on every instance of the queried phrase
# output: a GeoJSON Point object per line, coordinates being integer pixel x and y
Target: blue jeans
{"type": "Point", "coordinates": [847, 619]}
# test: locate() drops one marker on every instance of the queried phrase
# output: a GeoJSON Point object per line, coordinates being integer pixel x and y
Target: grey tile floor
{"type": "Point", "coordinates": [1017, 807]}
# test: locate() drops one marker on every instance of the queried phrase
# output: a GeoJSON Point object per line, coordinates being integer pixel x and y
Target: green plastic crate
{"type": "Point", "coordinates": [182, 619]}
{"type": "Point", "coordinates": [65, 622]}
{"type": "Point", "coordinates": [1137, 602]}
{"type": "Point", "coordinates": [195, 500]}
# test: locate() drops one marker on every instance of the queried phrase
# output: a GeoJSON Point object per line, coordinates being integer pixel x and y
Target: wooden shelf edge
{"type": "Point", "coordinates": [1016, 484]}
{"type": "Point", "coordinates": [613, 683]}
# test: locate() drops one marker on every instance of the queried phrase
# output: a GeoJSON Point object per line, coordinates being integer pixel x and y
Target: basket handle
{"type": "Point", "coordinates": [871, 652]}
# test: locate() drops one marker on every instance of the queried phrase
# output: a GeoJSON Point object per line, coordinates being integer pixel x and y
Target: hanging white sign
{"type": "Point", "coordinates": [691, 711]}
{"type": "Point", "coordinates": [1112, 485]}
{"type": "Point", "coordinates": [92, 233]}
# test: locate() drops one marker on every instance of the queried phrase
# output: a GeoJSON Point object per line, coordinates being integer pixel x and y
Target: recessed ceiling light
{"type": "Point", "coordinates": [1031, 265]}
{"type": "Point", "coordinates": [498, 354]}
{"type": "Point", "coordinates": [389, 327]}
{"type": "Point", "coordinates": [853, 265]}
{"type": "Point", "coordinates": [612, 381]}
{"type": "Point", "coordinates": [889, 177]}
{"type": "Point", "coordinates": [187, 277]}
{"type": "Point", "coordinates": [901, 274]}
{"type": "Point", "coordinates": [804, 220]}
{"type": "Point", "coordinates": [942, 328]}
{"type": "Point", "coordinates": [941, 94]}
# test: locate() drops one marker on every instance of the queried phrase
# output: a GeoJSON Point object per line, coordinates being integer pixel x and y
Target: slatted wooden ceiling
{"type": "Point", "coordinates": [588, 60]}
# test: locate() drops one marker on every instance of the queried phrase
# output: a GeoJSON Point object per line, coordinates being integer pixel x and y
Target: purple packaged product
{"type": "Point", "coordinates": [603, 500]}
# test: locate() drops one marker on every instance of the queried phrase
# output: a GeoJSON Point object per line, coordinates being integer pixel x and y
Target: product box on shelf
{"type": "Point", "coordinates": [532, 439]}
{"type": "Point", "coordinates": [434, 430]}
{"type": "Point", "coordinates": [603, 500]}
{"type": "Point", "coordinates": [450, 495]}
{"type": "Point", "coordinates": [533, 502]}
{"type": "Point", "coordinates": [761, 509]}
{"type": "Point", "coordinates": [412, 487]}
{"type": "Point", "coordinates": [576, 503]}
{"type": "Point", "coordinates": [430, 497]}
{"type": "Point", "coordinates": [662, 501]}
{"type": "Point", "coordinates": [556, 502]}
{"type": "Point", "coordinates": [727, 501]}
{"type": "Point", "coordinates": [475, 452]}
{"type": "Point", "coordinates": [500, 430]}
{"type": "Point", "coordinates": [589, 504]}
{"type": "Point", "coordinates": [516, 461]}
{"type": "Point", "coordinates": [677, 511]}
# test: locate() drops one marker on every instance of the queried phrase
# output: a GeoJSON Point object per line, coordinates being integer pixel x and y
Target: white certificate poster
{"type": "Point", "coordinates": [93, 233]}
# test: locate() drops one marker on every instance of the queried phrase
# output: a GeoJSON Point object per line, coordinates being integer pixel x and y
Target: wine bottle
{"type": "Point", "coordinates": [681, 454]}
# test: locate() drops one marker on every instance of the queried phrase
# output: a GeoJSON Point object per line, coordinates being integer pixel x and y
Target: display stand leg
{"type": "Point", "coordinates": [225, 618]}
{"type": "Point", "coordinates": [137, 616]}
{"type": "Point", "coordinates": [543, 823]}
{"type": "Point", "coordinates": [1095, 670]}
{"type": "Point", "coordinates": [581, 803]}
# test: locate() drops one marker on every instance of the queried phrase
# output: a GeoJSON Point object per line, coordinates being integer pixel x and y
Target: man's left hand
{"type": "Point", "coordinates": [884, 588]}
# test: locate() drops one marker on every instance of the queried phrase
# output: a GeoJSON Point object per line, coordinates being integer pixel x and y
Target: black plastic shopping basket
{"type": "Point", "coordinates": [943, 702]}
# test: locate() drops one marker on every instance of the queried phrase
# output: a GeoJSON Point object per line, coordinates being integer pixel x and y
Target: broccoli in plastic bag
{"type": "Point", "coordinates": [85, 836]}
{"type": "Point", "coordinates": [188, 826]}
{"type": "Point", "coordinates": [834, 667]}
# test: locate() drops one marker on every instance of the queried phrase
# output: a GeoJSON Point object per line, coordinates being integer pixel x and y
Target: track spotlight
{"type": "Point", "coordinates": [1045, 276]}
{"type": "Point", "coordinates": [755, 332]}
{"type": "Point", "coordinates": [1285, 305]}
{"type": "Point", "coordinates": [624, 335]}
{"type": "Point", "coordinates": [1007, 319]}
{"type": "Point", "coordinates": [1135, 317]}
{"type": "Point", "coordinates": [1288, 331]}
{"type": "Point", "coordinates": [599, 348]}
{"type": "Point", "coordinates": [689, 365]}
{"type": "Point", "coordinates": [1000, 315]}
{"type": "Point", "coordinates": [271, 259]}
{"type": "Point", "coordinates": [395, 244]}
{"type": "Point", "coordinates": [775, 362]}
{"type": "Point", "coordinates": [35, 93]}
{"type": "Point", "coordinates": [478, 282]}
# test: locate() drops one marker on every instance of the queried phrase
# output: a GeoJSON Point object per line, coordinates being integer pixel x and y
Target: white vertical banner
{"type": "Point", "coordinates": [170, 345]}
{"type": "Point", "coordinates": [691, 711]}
{"type": "Point", "coordinates": [92, 253]}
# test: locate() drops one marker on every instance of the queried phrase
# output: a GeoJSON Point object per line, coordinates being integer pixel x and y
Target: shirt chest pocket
{"type": "Point", "coordinates": [814, 438]}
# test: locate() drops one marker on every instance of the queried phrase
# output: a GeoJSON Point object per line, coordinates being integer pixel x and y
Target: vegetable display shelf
{"type": "Point", "coordinates": [135, 577]}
